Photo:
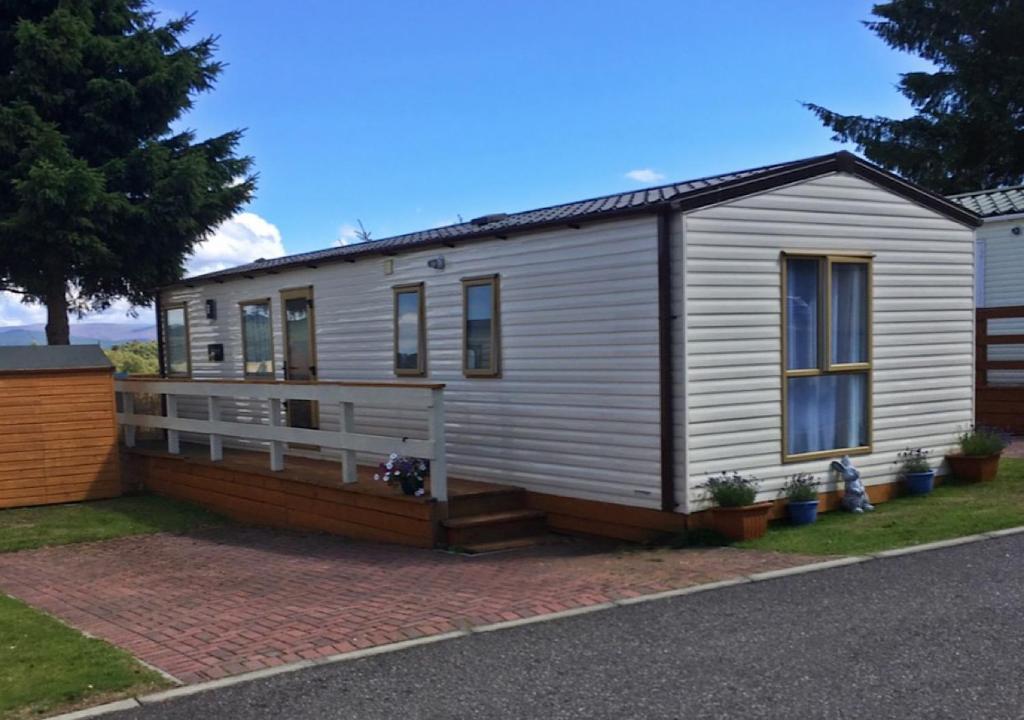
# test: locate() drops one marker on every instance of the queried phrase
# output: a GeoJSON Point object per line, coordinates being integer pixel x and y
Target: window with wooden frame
{"type": "Point", "coordinates": [826, 355]}
{"type": "Point", "coordinates": [257, 339]}
{"type": "Point", "coordinates": [177, 360]}
{"type": "Point", "coordinates": [481, 327]}
{"type": "Point", "coordinates": [410, 330]}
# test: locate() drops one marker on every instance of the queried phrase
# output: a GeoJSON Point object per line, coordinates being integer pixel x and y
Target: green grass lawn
{"type": "Point", "coordinates": [24, 528]}
{"type": "Point", "coordinates": [951, 510]}
{"type": "Point", "coordinates": [45, 666]}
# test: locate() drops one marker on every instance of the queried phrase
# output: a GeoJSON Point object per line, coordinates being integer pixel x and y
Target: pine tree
{"type": "Point", "coordinates": [967, 132]}
{"type": "Point", "coordinates": [100, 198]}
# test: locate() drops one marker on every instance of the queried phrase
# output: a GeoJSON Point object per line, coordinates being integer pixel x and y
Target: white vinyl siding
{"type": "Point", "coordinates": [922, 325]}
{"type": "Point", "coordinates": [1003, 285]}
{"type": "Point", "coordinates": [575, 411]}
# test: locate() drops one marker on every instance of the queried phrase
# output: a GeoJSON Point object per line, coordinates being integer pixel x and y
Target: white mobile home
{"type": "Point", "coordinates": [615, 351]}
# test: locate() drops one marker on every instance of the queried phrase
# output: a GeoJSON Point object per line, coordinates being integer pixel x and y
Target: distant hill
{"type": "Point", "coordinates": [96, 333]}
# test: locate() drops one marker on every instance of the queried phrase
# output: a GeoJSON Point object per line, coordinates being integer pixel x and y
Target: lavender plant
{"type": "Point", "coordinates": [801, 487]}
{"type": "Point", "coordinates": [913, 460]}
{"type": "Point", "coordinates": [732, 489]}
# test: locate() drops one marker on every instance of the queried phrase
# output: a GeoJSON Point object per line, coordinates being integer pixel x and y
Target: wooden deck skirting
{"type": "Point", "coordinates": [307, 495]}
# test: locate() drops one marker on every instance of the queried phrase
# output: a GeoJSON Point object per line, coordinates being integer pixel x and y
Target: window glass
{"type": "Point", "coordinates": [258, 355]}
{"type": "Point", "coordinates": [802, 299]}
{"type": "Point", "coordinates": [849, 324]}
{"type": "Point", "coordinates": [408, 340]}
{"type": "Point", "coordinates": [827, 412]}
{"type": "Point", "coordinates": [826, 376]}
{"type": "Point", "coordinates": [479, 327]}
{"type": "Point", "coordinates": [176, 338]}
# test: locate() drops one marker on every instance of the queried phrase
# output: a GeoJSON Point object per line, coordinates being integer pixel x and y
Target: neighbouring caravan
{"type": "Point", "coordinates": [999, 295]}
{"type": "Point", "coordinates": [608, 354]}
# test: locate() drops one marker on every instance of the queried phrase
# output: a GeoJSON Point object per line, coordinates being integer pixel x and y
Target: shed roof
{"type": "Point", "coordinates": [681, 196]}
{"type": "Point", "coordinates": [21, 358]}
{"type": "Point", "coordinates": [993, 203]}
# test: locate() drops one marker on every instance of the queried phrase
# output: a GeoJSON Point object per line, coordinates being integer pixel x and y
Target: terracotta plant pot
{"type": "Point", "coordinates": [742, 523]}
{"type": "Point", "coordinates": [973, 468]}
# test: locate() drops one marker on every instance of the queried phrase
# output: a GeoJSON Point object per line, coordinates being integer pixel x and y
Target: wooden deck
{"type": "Point", "coordinates": [308, 494]}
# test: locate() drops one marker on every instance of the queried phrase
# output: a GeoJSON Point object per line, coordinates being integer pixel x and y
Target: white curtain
{"type": "Point", "coordinates": [827, 412]}
{"type": "Point", "coordinates": [849, 313]}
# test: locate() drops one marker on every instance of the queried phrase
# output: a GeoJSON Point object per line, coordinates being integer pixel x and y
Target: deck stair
{"type": "Point", "coordinates": [494, 519]}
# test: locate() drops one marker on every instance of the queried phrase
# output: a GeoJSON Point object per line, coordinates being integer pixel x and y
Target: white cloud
{"type": "Point", "coordinates": [242, 239]}
{"type": "Point", "coordinates": [14, 312]}
{"type": "Point", "coordinates": [347, 235]}
{"type": "Point", "coordinates": [645, 175]}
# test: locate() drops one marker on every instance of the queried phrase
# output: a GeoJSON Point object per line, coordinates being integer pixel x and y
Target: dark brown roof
{"type": "Point", "coordinates": [993, 203]}
{"type": "Point", "coordinates": [687, 195]}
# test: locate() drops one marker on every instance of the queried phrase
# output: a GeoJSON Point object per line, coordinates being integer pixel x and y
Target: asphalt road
{"type": "Point", "coordinates": [932, 635]}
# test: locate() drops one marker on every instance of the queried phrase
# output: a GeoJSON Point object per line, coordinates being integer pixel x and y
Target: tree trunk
{"type": "Point", "coordinates": [58, 329]}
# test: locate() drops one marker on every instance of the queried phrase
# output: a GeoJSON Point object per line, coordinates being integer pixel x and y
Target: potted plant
{"type": "Point", "coordinates": [978, 459]}
{"type": "Point", "coordinates": [736, 515]}
{"type": "Point", "coordinates": [801, 493]}
{"type": "Point", "coordinates": [918, 476]}
{"type": "Point", "coordinates": [406, 472]}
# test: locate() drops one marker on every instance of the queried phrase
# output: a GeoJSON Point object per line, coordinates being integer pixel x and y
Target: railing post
{"type": "Point", "coordinates": [349, 469]}
{"type": "Point", "coordinates": [173, 436]}
{"type": "Point", "coordinates": [128, 407]}
{"type": "Point", "coordinates": [276, 446]}
{"type": "Point", "coordinates": [216, 441]}
{"type": "Point", "coordinates": [439, 463]}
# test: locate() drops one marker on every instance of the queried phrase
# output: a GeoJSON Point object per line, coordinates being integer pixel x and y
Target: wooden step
{"type": "Point", "coordinates": [512, 544]}
{"type": "Point", "coordinates": [494, 527]}
{"type": "Point", "coordinates": [487, 501]}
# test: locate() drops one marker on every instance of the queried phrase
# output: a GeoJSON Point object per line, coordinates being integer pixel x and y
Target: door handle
{"type": "Point", "coordinates": [312, 370]}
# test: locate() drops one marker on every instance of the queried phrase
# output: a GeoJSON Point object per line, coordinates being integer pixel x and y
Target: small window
{"type": "Point", "coordinates": [826, 330]}
{"type": "Point", "coordinates": [257, 339]}
{"type": "Point", "coordinates": [481, 337]}
{"type": "Point", "coordinates": [176, 348]}
{"type": "Point", "coordinates": [410, 330]}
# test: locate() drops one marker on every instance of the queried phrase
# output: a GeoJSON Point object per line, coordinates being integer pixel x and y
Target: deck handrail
{"type": "Point", "coordinates": [346, 395]}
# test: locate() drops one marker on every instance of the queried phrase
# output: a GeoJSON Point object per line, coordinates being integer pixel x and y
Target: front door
{"type": "Point", "coordinates": [300, 351]}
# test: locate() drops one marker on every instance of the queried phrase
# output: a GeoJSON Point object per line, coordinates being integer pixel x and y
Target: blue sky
{"type": "Point", "coordinates": [405, 115]}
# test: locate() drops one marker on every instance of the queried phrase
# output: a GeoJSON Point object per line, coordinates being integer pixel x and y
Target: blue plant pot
{"type": "Point", "coordinates": [919, 483]}
{"type": "Point", "coordinates": [803, 512]}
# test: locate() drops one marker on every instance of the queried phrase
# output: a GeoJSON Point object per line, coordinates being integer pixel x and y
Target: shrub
{"type": "Point", "coordinates": [732, 489]}
{"type": "Point", "coordinates": [913, 460]}
{"type": "Point", "coordinates": [802, 487]}
{"type": "Point", "coordinates": [983, 442]}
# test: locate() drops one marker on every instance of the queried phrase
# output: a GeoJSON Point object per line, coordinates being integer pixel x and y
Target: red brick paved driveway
{"type": "Point", "coordinates": [230, 600]}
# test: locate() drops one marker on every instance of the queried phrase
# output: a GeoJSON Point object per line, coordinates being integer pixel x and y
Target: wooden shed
{"type": "Point", "coordinates": [58, 426]}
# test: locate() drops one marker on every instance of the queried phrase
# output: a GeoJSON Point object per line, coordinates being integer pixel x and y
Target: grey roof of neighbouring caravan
{"type": "Point", "coordinates": [687, 195]}
{"type": "Point", "coordinates": [993, 203]}
{"type": "Point", "coordinates": [19, 358]}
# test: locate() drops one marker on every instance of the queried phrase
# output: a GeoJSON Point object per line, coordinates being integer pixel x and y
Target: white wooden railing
{"type": "Point", "coordinates": [344, 395]}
